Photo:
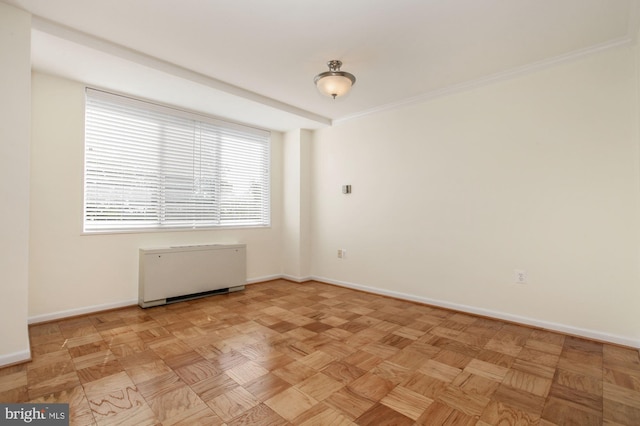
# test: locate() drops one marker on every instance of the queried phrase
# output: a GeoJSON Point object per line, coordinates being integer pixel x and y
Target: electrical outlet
{"type": "Point", "coordinates": [342, 253]}
{"type": "Point", "coordinates": [339, 253]}
{"type": "Point", "coordinates": [520, 276]}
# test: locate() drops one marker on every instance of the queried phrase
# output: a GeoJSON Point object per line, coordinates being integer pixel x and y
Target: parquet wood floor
{"type": "Point", "coordinates": [314, 354]}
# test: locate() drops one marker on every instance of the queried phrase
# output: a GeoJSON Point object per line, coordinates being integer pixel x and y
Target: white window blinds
{"type": "Point", "coordinates": [152, 167]}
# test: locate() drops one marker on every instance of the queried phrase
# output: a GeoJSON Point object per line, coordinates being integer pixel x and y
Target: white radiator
{"type": "Point", "coordinates": [180, 273]}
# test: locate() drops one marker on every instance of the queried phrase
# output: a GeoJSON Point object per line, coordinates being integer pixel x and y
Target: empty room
{"type": "Point", "coordinates": [320, 213]}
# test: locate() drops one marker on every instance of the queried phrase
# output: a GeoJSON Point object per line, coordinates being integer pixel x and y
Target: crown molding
{"type": "Point", "coordinates": [122, 52]}
{"type": "Point", "coordinates": [492, 79]}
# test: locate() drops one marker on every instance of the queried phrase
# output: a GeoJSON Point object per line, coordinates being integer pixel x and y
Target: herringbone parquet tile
{"type": "Point", "coordinates": [315, 354]}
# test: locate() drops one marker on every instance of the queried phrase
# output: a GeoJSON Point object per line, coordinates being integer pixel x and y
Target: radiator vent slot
{"type": "Point", "coordinates": [174, 274]}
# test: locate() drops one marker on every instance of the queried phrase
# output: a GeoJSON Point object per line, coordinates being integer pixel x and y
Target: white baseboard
{"type": "Point", "coordinates": [115, 305]}
{"type": "Point", "coordinates": [563, 328]}
{"type": "Point", "coordinates": [80, 311]}
{"type": "Point", "coordinates": [264, 279]}
{"type": "Point", "coordinates": [295, 279]}
{"type": "Point", "coordinates": [15, 357]}
{"type": "Point", "coordinates": [278, 277]}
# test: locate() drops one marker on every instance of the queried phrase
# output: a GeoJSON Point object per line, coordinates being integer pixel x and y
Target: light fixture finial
{"type": "Point", "coordinates": [334, 65]}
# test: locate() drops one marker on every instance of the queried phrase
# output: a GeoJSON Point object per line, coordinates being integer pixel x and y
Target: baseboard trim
{"type": "Point", "coordinates": [295, 279]}
{"type": "Point", "coordinates": [287, 277]}
{"type": "Point", "coordinates": [80, 311]}
{"type": "Point", "coordinates": [36, 319]}
{"type": "Point", "coordinates": [15, 358]}
{"type": "Point", "coordinates": [116, 305]}
{"type": "Point", "coordinates": [547, 325]}
{"type": "Point", "coordinates": [264, 279]}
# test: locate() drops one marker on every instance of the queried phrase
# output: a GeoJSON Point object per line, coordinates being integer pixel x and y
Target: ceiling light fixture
{"type": "Point", "coordinates": [334, 82]}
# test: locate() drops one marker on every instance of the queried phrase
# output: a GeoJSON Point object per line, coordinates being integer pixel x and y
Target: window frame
{"type": "Point", "coordinates": [262, 208]}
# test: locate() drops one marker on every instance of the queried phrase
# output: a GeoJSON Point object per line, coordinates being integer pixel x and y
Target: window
{"type": "Point", "coordinates": [152, 167]}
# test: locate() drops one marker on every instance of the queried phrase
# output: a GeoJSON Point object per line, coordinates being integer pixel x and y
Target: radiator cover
{"type": "Point", "coordinates": [173, 274]}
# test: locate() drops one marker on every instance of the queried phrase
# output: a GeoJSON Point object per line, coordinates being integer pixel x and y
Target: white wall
{"type": "Point", "coordinates": [72, 273]}
{"type": "Point", "coordinates": [296, 260]}
{"type": "Point", "coordinates": [15, 110]}
{"type": "Point", "coordinates": [539, 173]}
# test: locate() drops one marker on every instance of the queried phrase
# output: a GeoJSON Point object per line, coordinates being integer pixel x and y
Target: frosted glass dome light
{"type": "Point", "coordinates": [334, 82]}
